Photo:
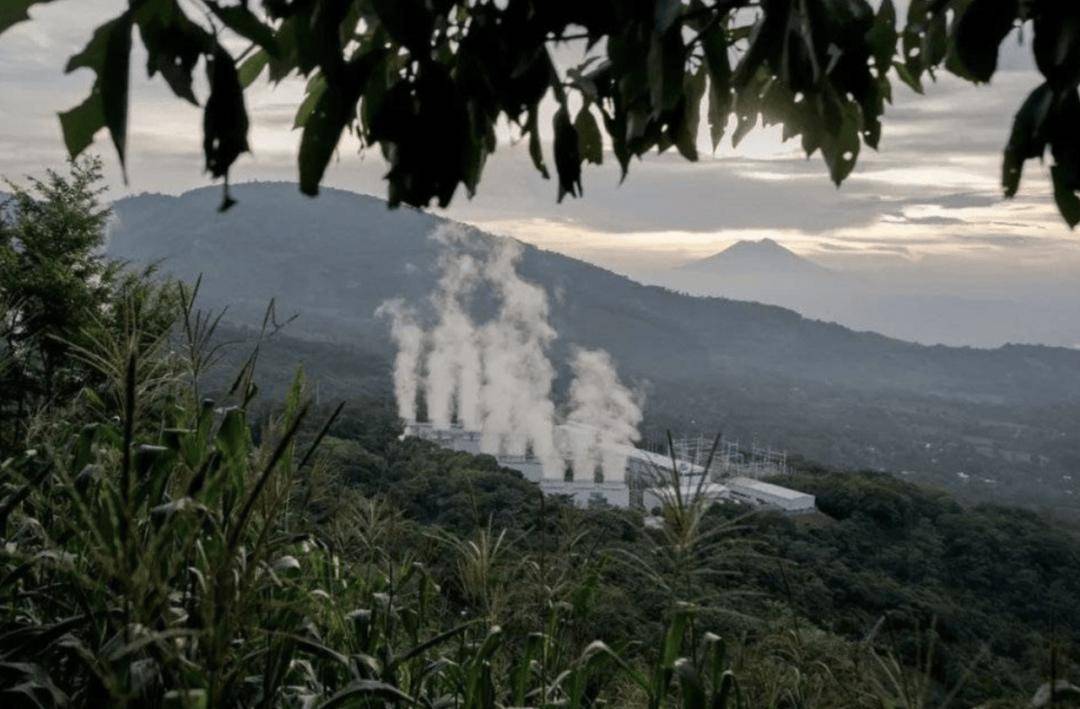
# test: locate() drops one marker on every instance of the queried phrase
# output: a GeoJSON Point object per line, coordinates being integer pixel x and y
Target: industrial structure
{"type": "Point", "coordinates": [734, 475]}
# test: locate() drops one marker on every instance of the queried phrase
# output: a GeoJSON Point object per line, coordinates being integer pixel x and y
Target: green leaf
{"type": "Point", "coordinates": [327, 109]}
{"type": "Point", "coordinates": [81, 123]}
{"type": "Point", "coordinates": [728, 685]}
{"type": "Point", "coordinates": [979, 33]}
{"type": "Point", "coordinates": [1065, 196]}
{"type": "Point", "coordinates": [747, 105]}
{"type": "Point", "coordinates": [714, 43]}
{"type": "Point", "coordinates": [15, 11]}
{"type": "Point", "coordinates": [1028, 137]}
{"type": "Point", "coordinates": [532, 127]}
{"type": "Point", "coordinates": [1056, 42]}
{"type": "Point", "coordinates": [252, 67]}
{"type": "Point", "coordinates": [667, 11]}
{"type": "Point", "coordinates": [408, 22]}
{"type": "Point", "coordinates": [914, 54]}
{"type": "Point", "coordinates": [225, 119]}
{"type": "Point", "coordinates": [430, 643]}
{"type": "Point", "coordinates": [567, 156]}
{"type": "Point", "coordinates": [107, 55]}
{"type": "Point", "coordinates": [315, 89]}
{"type": "Point", "coordinates": [173, 44]}
{"type": "Point", "coordinates": [27, 684]}
{"type": "Point", "coordinates": [665, 64]}
{"type": "Point", "coordinates": [590, 142]}
{"type": "Point", "coordinates": [909, 78]}
{"type": "Point", "coordinates": [245, 23]}
{"type": "Point", "coordinates": [840, 142]}
{"type": "Point", "coordinates": [693, 692]}
{"type": "Point", "coordinates": [687, 131]}
{"type": "Point", "coordinates": [882, 36]}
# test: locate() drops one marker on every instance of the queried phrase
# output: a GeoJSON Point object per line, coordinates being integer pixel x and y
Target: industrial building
{"type": "Point", "coordinates": [645, 483]}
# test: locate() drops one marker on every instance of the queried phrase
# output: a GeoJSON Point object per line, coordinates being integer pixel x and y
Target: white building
{"type": "Point", "coordinates": [644, 483]}
{"type": "Point", "coordinates": [589, 494]}
{"type": "Point", "coordinates": [762, 494]}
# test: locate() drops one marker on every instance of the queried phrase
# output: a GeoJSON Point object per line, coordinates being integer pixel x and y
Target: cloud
{"type": "Point", "coordinates": [925, 221]}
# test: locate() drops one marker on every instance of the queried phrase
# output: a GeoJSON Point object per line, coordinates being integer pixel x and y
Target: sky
{"type": "Point", "coordinates": [928, 203]}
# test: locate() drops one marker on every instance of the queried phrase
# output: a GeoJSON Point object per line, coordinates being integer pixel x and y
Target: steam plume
{"type": "Point", "coordinates": [496, 378]}
{"type": "Point", "coordinates": [410, 339]}
{"type": "Point", "coordinates": [607, 417]}
{"type": "Point", "coordinates": [453, 366]}
{"type": "Point", "coordinates": [518, 413]}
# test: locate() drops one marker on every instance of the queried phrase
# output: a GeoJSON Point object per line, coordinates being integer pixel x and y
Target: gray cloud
{"type": "Point", "coordinates": [927, 221]}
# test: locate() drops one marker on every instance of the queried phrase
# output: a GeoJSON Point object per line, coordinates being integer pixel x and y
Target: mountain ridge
{"type": "Point", "coordinates": [841, 396]}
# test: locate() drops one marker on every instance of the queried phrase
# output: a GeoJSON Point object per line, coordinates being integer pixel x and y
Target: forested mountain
{"type": "Point", "coordinates": [998, 423]}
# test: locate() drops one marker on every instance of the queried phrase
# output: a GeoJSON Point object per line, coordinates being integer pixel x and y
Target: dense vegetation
{"type": "Point", "coordinates": [172, 541]}
{"type": "Point", "coordinates": [996, 585]}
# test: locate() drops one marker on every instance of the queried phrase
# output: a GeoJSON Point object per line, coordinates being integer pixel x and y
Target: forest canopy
{"type": "Point", "coordinates": [427, 81]}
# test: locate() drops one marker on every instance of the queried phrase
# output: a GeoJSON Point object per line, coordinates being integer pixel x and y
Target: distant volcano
{"type": "Point", "coordinates": [762, 257]}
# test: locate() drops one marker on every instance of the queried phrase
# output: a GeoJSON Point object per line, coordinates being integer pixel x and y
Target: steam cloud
{"type": "Point", "coordinates": [607, 414]}
{"type": "Point", "coordinates": [496, 378]}
{"type": "Point", "coordinates": [410, 341]}
{"type": "Point", "coordinates": [453, 366]}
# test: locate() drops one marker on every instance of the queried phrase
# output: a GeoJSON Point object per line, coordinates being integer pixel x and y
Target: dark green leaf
{"type": "Point", "coordinates": [408, 22]}
{"type": "Point", "coordinates": [81, 123]}
{"type": "Point", "coordinates": [840, 142]}
{"type": "Point", "coordinates": [252, 66]}
{"type": "Point", "coordinates": [1056, 43]}
{"type": "Point", "coordinates": [225, 119]}
{"type": "Point", "coordinates": [567, 156]}
{"type": "Point", "coordinates": [666, 64]}
{"type": "Point", "coordinates": [687, 130]}
{"type": "Point", "coordinates": [316, 87]}
{"type": "Point", "coordinates": [882, 37]}
{"type": "Point", "coordinates": [173, 44]}
{"type": "Point", "coordinates": [690, 686]}
{"type": "Point", "coordinates": [244, 22]}
{"type": "Point", "coordinates": [107, 55]}
{"type": "Point", "coordinates": [590, 142]}
{"type": "Point", "coordinates": [366, 689]}
{"type": "Point", "coordinates": [914, 34]}
{"type": "Point", "coordinates": [535, 152]}
{"type": "Point", "coordinates": [979, 32]}
{"type": "Point", "coordinates": [28, 684]}
{"type": "Point", "coordinates": [14, 11]}
{"type": "Point", "coordinates": [714, 42]}
{"type": "Point", "coordinates": [1028, 138]}
{"type": "Point", "coordinates": [909, 78]}
{"type": "Point", "coordinates": [1065, 196]}
{"type": "Point", "coordinates": [667, 11]}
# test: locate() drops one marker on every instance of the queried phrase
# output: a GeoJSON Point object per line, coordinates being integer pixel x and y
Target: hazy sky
{"type": "Point", "coordinates": [929, 200]}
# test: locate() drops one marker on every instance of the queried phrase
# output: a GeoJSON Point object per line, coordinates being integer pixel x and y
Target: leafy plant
{"type": "Point", "coordinates": [428, 81]}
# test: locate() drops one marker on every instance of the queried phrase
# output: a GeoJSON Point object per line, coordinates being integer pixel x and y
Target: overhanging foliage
{"type": "Point", "coordinates": [428, 80]}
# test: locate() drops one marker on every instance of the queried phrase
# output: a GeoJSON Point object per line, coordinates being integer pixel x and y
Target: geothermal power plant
{"type": "Point", "coordinates": [486, 388]}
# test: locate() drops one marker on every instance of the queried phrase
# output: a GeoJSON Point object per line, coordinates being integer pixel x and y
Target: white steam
{"type": "Point", "coordinates": [606, 415]}
{"type": "Point", "coordinates": [519, 416]}
{"type": "Point", "coordinates": [496, 378]}
{"type": "Point", "coordinates": [453, 365]}
{"type": "Point", "coordinates": [410, 341]}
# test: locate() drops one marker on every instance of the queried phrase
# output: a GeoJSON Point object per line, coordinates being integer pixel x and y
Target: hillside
{"type": "Point", "coordinates": [1005, 417]}
{"type": "Point", "coordinates": [881, 550]}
